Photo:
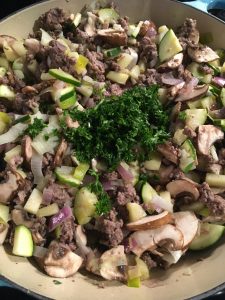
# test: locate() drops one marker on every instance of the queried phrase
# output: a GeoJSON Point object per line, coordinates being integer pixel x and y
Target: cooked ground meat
{"type": "Point", "coordinates": [148, 51]}
{"type": "Point", "coordinates": [215, 203]}
{"type": "Point", "coordinates": [67, 230]}
{"type": "Point", "coordinates": [39, 230]}
{"type": "Point", "coordinates": [170, 152]}
{"type": "Point", "coordinates": [189, 132]}
{"type": "Point", "coordinates": [96, 67]}
{"type": "Point", "coordinates": [56, 193]}
{"type": "Point", "coordinates": [111, 176]}
{"type": "Point", "coordinates": [23, 192]}
{"type": "Point", "coordinates": [126, 194]}
{"type": "Point", "coordinates": [188, 33]}
{"type": "Point", "coordinates": [146, 257]}
{"type": "Point", "coordinates": [111, 227]}
{"type": "Point", "coordinates": [25, 103]}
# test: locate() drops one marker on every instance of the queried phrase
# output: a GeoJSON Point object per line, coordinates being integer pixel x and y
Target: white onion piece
{"type": "Point", "coordinates": [39, 251]}
{"type": "Point", "coordinates": [45, 38]}
{"type": "Point", "coordinates": [81, 241]}
{"type": "Point", "coordinates": [135, 58]}
{"type": "Point", "coordinates": [160, 204]}
{"type": "Point", "coordinates": [172, 257]}
{"type": "Point", "coordinates": [36, 167]}
{"type": "Point", "coordinates": [12, 134]}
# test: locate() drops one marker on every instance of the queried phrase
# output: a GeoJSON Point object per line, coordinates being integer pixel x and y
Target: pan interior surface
{"type": "Point", "coordinates": [196, 273]}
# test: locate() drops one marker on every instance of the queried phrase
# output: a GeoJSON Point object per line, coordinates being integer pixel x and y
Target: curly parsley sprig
{"type": "Point", "coordinates": [35, 128]}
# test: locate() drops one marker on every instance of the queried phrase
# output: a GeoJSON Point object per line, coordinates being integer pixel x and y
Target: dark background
{"type": "Point", "coordinates": [6, 293]}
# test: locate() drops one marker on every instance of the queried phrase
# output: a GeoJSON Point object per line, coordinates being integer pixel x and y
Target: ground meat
{"type": "Point", "coordinates": [150, 77]}
{"type": "Point", "coordinates": [39, 230]}
{"type": "Point", "coordinates": [148, 51]}
{"type": "Point", "coordinates": [146, 257]}
{"type": "Point", "coordinates": [67, 233]}
{"type": "Point", "coordinates": [96, 67]}
{"type": "Point", "coordinates": [169, 151]}
{"type": "Point", "coordinates": [189, 132]}
{"type": "Point", "coordinates": [126, 194]}
{"type": "Point", "coordinates": [124, 22]}
{"type": "Point", "coordinates": [56, 193]}
{"type": "Point", "coordinates": [111, 176]}
{"type": "Point", "coordinates": [215, 203]}
{"type": "Point", "coordinates": [51, 21]}
{"type": "Point", "coordinates": [25, 103]}
{"type": "Point", "coordinates": [188, 33]}
{"type": "Point", "coordinates": [23, 192]}
{"type": "Point", "coordinates": [111, 228]}
{"type": "Point", "coordinates": [47, 162]}
{"type": "Point", "coordinates": [114, 90]}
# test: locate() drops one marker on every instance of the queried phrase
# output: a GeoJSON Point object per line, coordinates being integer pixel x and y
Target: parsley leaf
{"type": "Point", "coordinates": [35, 128]}
{"type": "Point", "coordinates": [182, 116]}
{"type": "Point", "coordinates": [126, 127]}
{"type": "Point", "coordinates": [103, 205]}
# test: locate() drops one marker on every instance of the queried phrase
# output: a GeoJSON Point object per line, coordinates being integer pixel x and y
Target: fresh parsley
{"type": "Point", "coordinates": [126, 127]}
{"type": "Point", "coordinates": [103, 205]}
{"type": "Point", "coordinates": [182, 116]}
{"type": "Point", "coordinates": [35, 128]}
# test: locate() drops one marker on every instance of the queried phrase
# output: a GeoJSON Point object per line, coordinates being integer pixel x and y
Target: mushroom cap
{"type": "Point", "coordinates": [19, 217]}
{"type": "Point", "coordinates": [27, 148]}
{"type": "Point", "coordinates": [113, 37]}
{"type": "Point", "coordinates": [207, 136]}
{"type": "Point", "coordinates": [151, 222]}
{"type": "Point", "coordinates": [202, 53]}
{"type": "Point", "coordinates": [64, 266]}
{"type": "Point", "coordinates": [110, 261]}
{"type": "Point", "coordinates": [188, 224]}
{"type": "Point", "coordinates": [8, 188]}
{"type": "Point", "coordinates": [182, 186]}
{"type": "Point", "coordinates": [174, 62]}
{"type": "Point", "coordinates": [6, 38]}
{"type": "Point", "coordinates": [167, 235]}
{"type": "Point", "coordinates": [186, 94]}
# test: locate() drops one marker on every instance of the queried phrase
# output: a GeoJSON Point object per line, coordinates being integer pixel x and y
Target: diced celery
{"type": "Point", "coordinates": [23, 242]}
{"type": "Point", "coordinates": [143, 269]}
{"type": "Point", "coordinates": [179, 137]}
{"type": "Point", "coordinates": [108, 15]}
{"type": "Point", "coordinates": [195, 117]}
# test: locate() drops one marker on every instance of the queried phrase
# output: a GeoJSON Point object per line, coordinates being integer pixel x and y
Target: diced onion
{"type": "Point", "coordinates": [220, 81]}
{"type": "Point", "coordinates": [45, 38]}
{"type": "Point", "coordinates": [60, 217]}
{"type": "Point", "coordinates": [12, 134]}
{"type": "Point", "coordinates": [36, 167]}
{"type": "Point", "coordinates": [160, 204]}
{"type": "Point", "coordinates": [123, 170]}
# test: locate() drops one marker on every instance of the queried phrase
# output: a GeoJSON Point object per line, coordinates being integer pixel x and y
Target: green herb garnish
{"type": "Point", "coordinates": [103, 205]}
{"type": "Point", "coordinates": [126, 127]}
{"type": "Point", "coordinates": [56, 282]}
{"type": "Point", "coordinates": [35, 128]}
{"type": "Point", "coordinates": [54, 132]}
{"type": "Point", "coordinates": [182, 116]}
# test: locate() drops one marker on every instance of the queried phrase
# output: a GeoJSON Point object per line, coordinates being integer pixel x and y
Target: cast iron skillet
{"type": "Point", "coordinates": [192, 278]}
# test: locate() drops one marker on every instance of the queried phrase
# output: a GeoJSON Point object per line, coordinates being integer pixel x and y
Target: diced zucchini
{"type": "Point", "coordinates": [194, 68]}
{"type": "Point", "coordinates": [136, 212]}
{"type": "Point", "coordinates": [208, 101]}
{"type": "Point", "coordinates": [114, 52]}
{"type": "Point", "coordinates": [65, 175]}
{"type": "Point", "coordinates": [136, 30]}
{"type": "Point", "coordinates": [19, 48]}
{"type": "Point", "coordinates": [165, 195]}
{"type": "Point", "coordinates": [179, 137]}
{"type": "Point", "coordinates": [66, 77]}
{"type": "Point", "coordinates": [84, 205]}
{"type": "Point", "coordinates": [66, 97]}
{"type": "Point", "coordinates": [222, 96]}
{"type": "Point", "coordinates": [18, 64]}
{"type": "Point", "coordinates": [80, 171]}
{"type": "Point", "coordinates": [143, 269]}
{"type": "Point", "coordinates": [23, 242]}
{"type": "Point", "coordinates": [77, 19]}
{"type": "Point", "coordinates": [81, 63]}
{"type": "Point", "coordinates": [4, 212]}
{"type": "Point", "coordinates": [6, 92]}
{"type": "Point", "coordinates": [2, 72]}
{"type": "Point", "coordinates": [117, 77]}
{"type": "Point", "coordinates": [4, 63]}
{"type": "Point", "coordinates": [215, 180]}
{"type": "Point", "coordinates": [16, 151]}
{"type": "Point", "coordinates": [169, 46]}
{"type": "Point", "coordinates": [108, 15]}
{"type": "Point", "coordinates": [147, 192]}
{"type": "Point", "coordinates": [135, 72]}
{"type": "Point", "coordinates": [209, 235]}
{"type": "Point", "coordinates": [85, 89]}
{"type": "Point", "coordinates": [162, 31]}
{"type": "Point", "coordinates": [34, 202]}
{"type": "Point", "coordinates": [48, 211]}
{"type": "Point", "coordinates": [5, 120]}
{"type": "Point", "coordinates": [134, 282]}
{"type": "Point", "coordinates": [124, 60]}
{"type": "Point", "coordinates": [188, 159]}
{"type": "Point", "coordinates": [154, 163]}
{"type": "Point", "coordinates": [195, 117]}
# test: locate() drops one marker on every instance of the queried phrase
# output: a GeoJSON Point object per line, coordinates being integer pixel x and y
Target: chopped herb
{"type": "Point", "coordinates": [103, 205]}
{"type": "Point", "coordinates": [35, 128]}
{"type": "Point", "coordinates": [54, 132]}
{"type": "Point", "coordinates": [214, 90]}
{"type": "Point", "coordinates": [182, 116]}
{"type": "Point", "coordinates": [56, 282]}
{"type": "Point", "coordinates": [126, 127]}
{"type": "Point", "coordinates": [216, 70]}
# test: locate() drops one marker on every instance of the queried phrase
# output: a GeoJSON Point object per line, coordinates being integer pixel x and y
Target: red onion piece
{"type": "Point", "coordinates": [124, 172]}
{"type": "Point", "coordinates": [39, 251]}
{"type": "Point", "coordinates": [220, 81]}
{"type": "Point", "coordinates": [60, 217]}
{"type": "Point", "coordinates": [169, 79]}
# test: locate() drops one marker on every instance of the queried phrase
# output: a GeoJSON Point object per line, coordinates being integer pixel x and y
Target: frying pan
{"type": "Point", "coordinates": [197, 275]}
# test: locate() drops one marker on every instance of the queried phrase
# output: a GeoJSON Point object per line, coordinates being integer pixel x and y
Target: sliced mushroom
{"type": "Point", "coordinates": [3, 232]}
{"type": "Point", "coordinates": [113, 37]}
{"type": "Point", "coordinates": [110, 262]}
{"type": "Point", "coordinates": [20, 217]}
{"type": "Point", "coordinates": [173, 63]}
{"type": "Point", "coordinates": [33, 45]}
{"type": "Point", "coordinates": [148, 28]}
{"type": "Point", "coordinates": [81, 241]}
{"type": "Point", "coordinates": [167, 235]}
{"type": "Point", "coordinates": [207, 136]}
{"type": "Point", "coordinates": [151, 222]}
{"type": "Point", "coordinates": [8, 188]}
{"type": "Point", "coordinates": [183, 187]}
{"type": "Point", "coordinates": [202, 54]}
{"type": "Point", "coordinates": [93, 262]}
{"type": "Point", "coordinates": [60, 153]}
{"type": "Point", "coordinates": [61, 262]}
{"type": "Point", "coordinates": [187, 223]}
{"type": "Point", "coordinates": [90, 27]}
{"type": "Point", "coordinates": [186, 94]}
{"type": "Point", "coordinates": [27, 151]}
{"type": "Point", "coordinates": [169, 151]}
{"type": "Point", "coordinates": [6, 38]}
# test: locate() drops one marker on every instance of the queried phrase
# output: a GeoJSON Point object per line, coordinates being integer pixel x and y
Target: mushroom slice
{"type": "Point", "coordinates": [192, 94]}
{"type": "Point", "coordinates": [93, 262]}
{"type": "Point", "coordinates": [60, 153]}
{"type": "Point", "coordinates": [20, 217]}
{"type": "Point", "coordinates": [110, 261]}
{"type": "Point", "coordinates": [6, 38]}
{"type": "Point", "coordinates": [202, 54]}
{"type": "Point", "coordinates": [8, 188]}
{"type": "Point", "coordinates": [61, 262]}
{"type": "Point", "coordinates": [151, 222]}
{"type": "Point", "coordinates": [167, 235]}
{"type": "Point", "coordinates": [207, 136]}
{"type": "Point", "coordinates": [113, 37]}
{"type": "Point", "coordinates": [173, 63]}
{"type": "Point", "coordinates": [182, 187]}
{"type": "Point", "coordinates": [187, 223]}
{"type": "Point", "coordinates": [27, 148]}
